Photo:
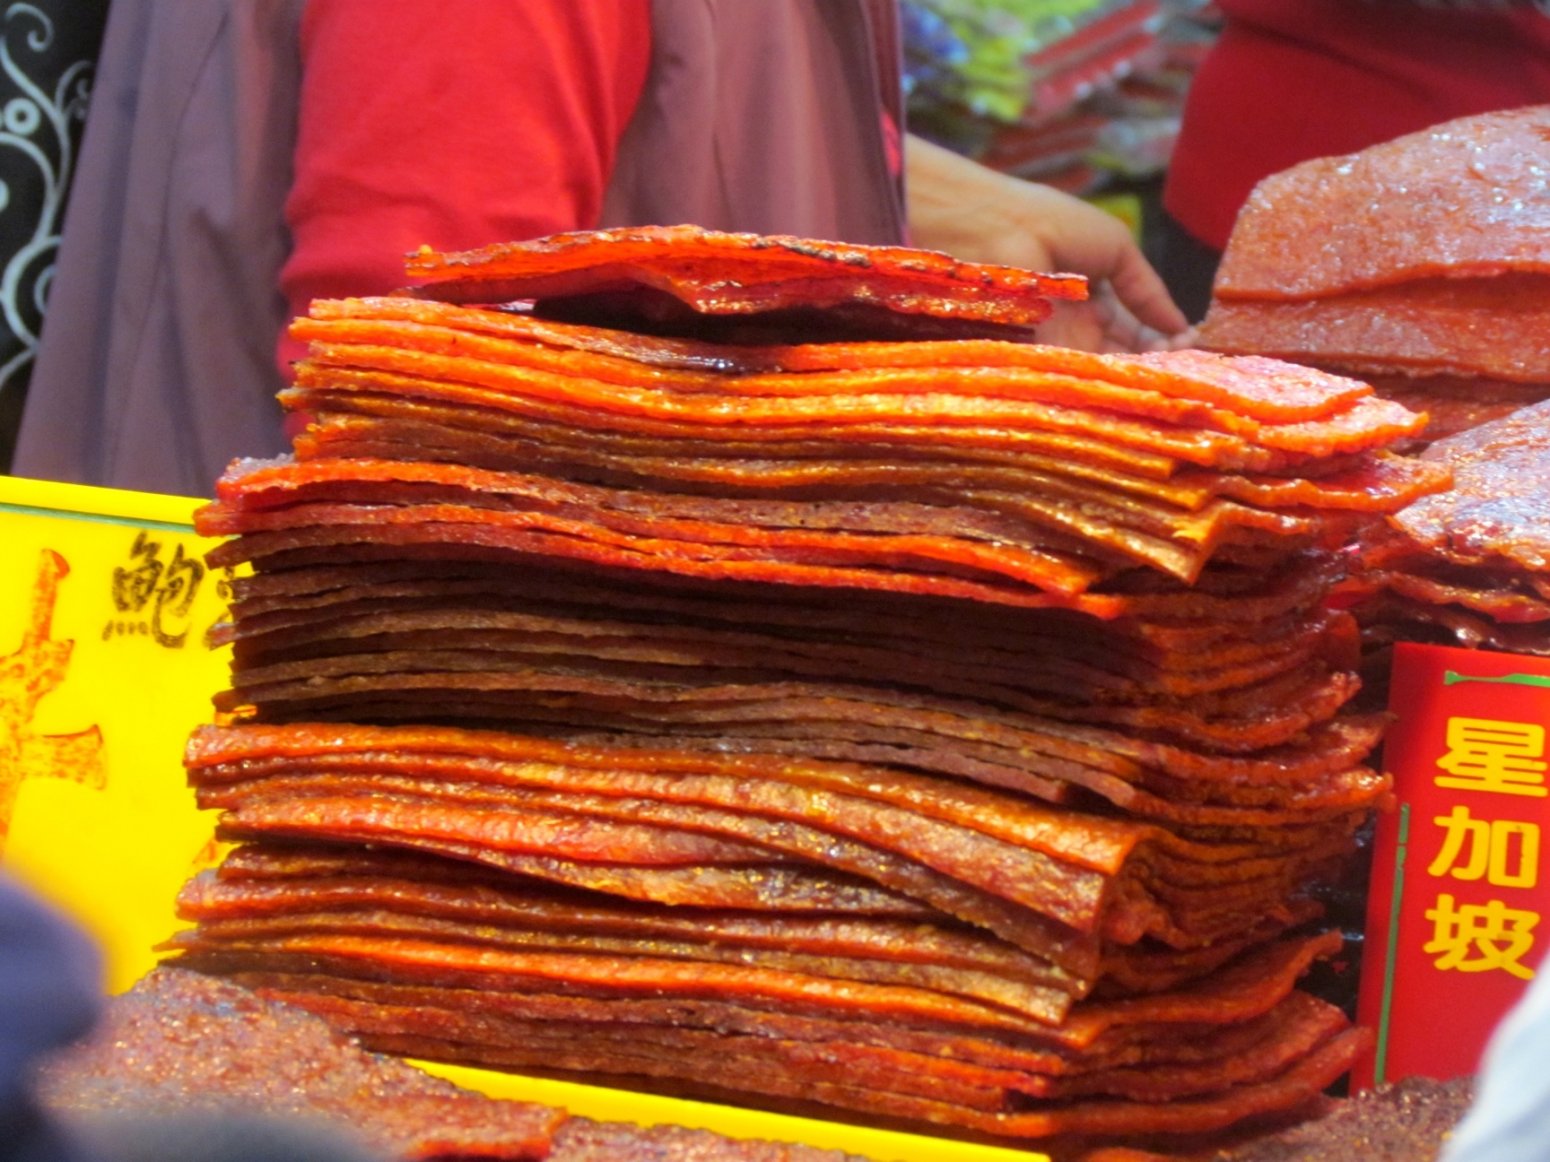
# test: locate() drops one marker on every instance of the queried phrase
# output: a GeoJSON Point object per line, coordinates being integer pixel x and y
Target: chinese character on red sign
{"type": "Point", "coordinates": [1456, 893]}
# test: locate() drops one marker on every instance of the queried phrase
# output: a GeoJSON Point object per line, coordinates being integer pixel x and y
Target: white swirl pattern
{"type": "Point", "coordinates": [41, 121]}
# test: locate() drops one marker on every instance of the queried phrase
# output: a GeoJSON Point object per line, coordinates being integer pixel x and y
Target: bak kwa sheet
{"type": "Point", "coordinates": [1469, 197]}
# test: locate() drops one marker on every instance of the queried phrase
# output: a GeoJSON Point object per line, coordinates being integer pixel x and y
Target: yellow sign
{"type": "Point", "coordinates": [105, 604]}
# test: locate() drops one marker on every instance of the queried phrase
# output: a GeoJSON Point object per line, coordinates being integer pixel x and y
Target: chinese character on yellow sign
{"type": "Point", "coordinates": [35, 670]}
{"type": "Point", "coordinates": [1488, 755]}
{"type": "Point", "coordinates": [1504, 852]}
{"type": "Point", "coordinates": [105, 668]}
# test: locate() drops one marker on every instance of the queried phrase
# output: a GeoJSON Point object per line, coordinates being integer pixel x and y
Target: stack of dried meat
{"type": "Point", "coordinates": [1421, 264]}
{"type": "Point", "coordinates": [946, 729]}
{"type": "Point", "coordinates": [1469, 566]}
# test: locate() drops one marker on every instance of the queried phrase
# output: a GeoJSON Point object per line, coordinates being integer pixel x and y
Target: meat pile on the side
{"type": "Point", "coordinates": [180, 1047]}
{"type": "Point", "coordinates": [1421, 264]}
{"type": "Point", "coordinates": [1469, 566]}
{"type": "Point", "coordinates": [947, 731]}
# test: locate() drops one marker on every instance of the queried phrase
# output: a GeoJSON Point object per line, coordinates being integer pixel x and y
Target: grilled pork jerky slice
{"type": "Point", "coordinates": [624, 659]}
{"type": "Point", "coordinates": [592, 642]}
{"type": "Point", "coordinates": [664, 1048]}
{"type": "Point", "coordinates": [1059, 375]}
{"type": "Point", "coordinates": [1249, 989]}
{"type": "Point", "coordinates": [1500, 604]}
{"type": "Point", "coordinates": [1492, 514]}
{"type": "Point", "coordinates": [892, 714]}
{"type": "Point", "coordinates": [1172, 540]}
{"type": "Point", "coordinates": [1383, 484]}
{"type": "Point", "coordinates": [1373, 485]}
{"type": "Point", "coordinates": [538, 914]}
{"type": "Point", "coordinates": [1451, 625]}
{"type": "Point", "coordinates": [408, 959]}
{"type": "Point", "coordinates": [462, 540]}
{"type": "Point", "coordinates": [490, 998]}
{"type": "Point", "coordinates": [729, 886]}
{"type": "Point", "coordinates": [757, 707]}
{"type": "Point", "coordinates": [845, 398]}
{"type": "Point", "coordinates": [1038, 774]}
{"type": "Point", "coordinates": [1124, 923]}
{"type": "Point", "coordinates": [532, 907]}
{"type": "Point", "coordinates": [1033, 426]}
{"type": "Point", "coordinates": [690, 546]}
{"type": "Point", "coordinates": [1284, 1093]}
{"type": "Point", "coordinates": [1225, 871]}
{"type": "Point", "coordinates": [1319, 695]}
{"type": "Point", "coordinates": [1262, 389]}
{"type": "Point", "coordinates": [769, 885]}
{"type": "Point", "coordinates": [631, 346]}
{"type": "Point", "coordinates": [718, 272]}
{"type": "Point", "coordinates": [569, 835]}
{"type": "Point", "coordinates": [1092, 660]}
{"type": "Point", "coordinates": [1155, 618]}
{"type": "Point", "coordinates": [1486, 327]}
{"type": "Point", "coordinates": [1096, 844]}
{"type": "Point", "coordinates": [486, 687]}
{"type": "Point", "coordinates": [1454, 403]}
{"type": "Point", "coordinates": [1248, 996]}
{"type": "Point", "coordinates": [331, 394]}
{"type": "Point", "coordinates": [471, 426]}
{"type": "Point", "coordinates": [486, 539]}
{"type": "Point", "coordinates": [373, 624]}
{"type": "Point", "coordinates": [849, 836]}
{"type": "Point", "coordinates": [1464, 198]}
{"type": "Point", "coordinates": [1020, 1053]}
{"type": "Point", "coordinates": [1317, 698]}
{"type": "Point", "coordinates": [258, 882]}
{"type": "Point", "coordinates": [1331, 798]}
{"type": "Point", "coordinates": [736, 708]}
{"type": "Point", "coordinates": [1148, 967]}
{"type": "Point", "coordinates": [220, 755]}
{"type": "Point", "coordinates": [475, 422]}
{"type": "Point", "coordinates": [270, 615]}
{"type": "Point", "coordinates": [1053, 514]}
{"type": "Point", "coordinates": [1243, 386]}
{"type": "Point", "coordinates": [1017, 995]}
{"type": "Point", "coordinates": [659, 1052]}
{"type": "Point", "coordinates": [757, 888]}
{"type": "Point", "coordinates": [761, 471]}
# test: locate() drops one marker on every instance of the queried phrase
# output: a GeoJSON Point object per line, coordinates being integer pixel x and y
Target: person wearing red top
{"type": "Point", "coordinates": [1288, 80]}
{"type": "Point", "coordinates": [244, 157]}
{"type": "Point", "coordinates": [381, 166]}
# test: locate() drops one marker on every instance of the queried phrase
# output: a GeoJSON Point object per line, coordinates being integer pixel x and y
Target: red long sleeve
{"type": "Point", "coordinates": [1294, 79]}
{"type": "Point", "coordinates": [455, 124]}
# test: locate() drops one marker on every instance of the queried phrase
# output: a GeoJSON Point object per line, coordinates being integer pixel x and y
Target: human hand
{"type": "Point", "coordinates": [971, 212]}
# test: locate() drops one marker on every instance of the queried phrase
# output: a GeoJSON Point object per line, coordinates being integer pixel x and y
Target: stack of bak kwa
{"type": "Point", "coordinates": [1469, 566]}
{"type": "Point", "coordinates": [947, 731]}
{"type": "Point", "coordinates": [1421, 264]}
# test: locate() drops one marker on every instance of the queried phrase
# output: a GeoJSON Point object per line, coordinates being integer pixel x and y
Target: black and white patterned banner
{"type": "Point", "coordinates": [48, 50]}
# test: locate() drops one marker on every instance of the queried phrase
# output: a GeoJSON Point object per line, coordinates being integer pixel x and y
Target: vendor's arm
{"type": "Point", "coordinates": [965, 209]}
{"type": "Point", "coordinates": [452, 124]}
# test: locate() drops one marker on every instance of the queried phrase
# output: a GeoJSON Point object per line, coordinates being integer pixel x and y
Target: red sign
{"type": "Point", "coordinates": [1454, 930]}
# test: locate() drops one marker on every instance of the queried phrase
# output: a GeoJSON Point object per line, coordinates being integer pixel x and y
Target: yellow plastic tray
{"type": "Point", "coordinates": [105, 603]}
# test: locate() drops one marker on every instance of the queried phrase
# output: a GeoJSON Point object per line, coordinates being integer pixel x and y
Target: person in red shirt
{"type": "Point", "coordinates": [1289, 80]}
{"type": "Point", "coordinates": [243, 157]}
